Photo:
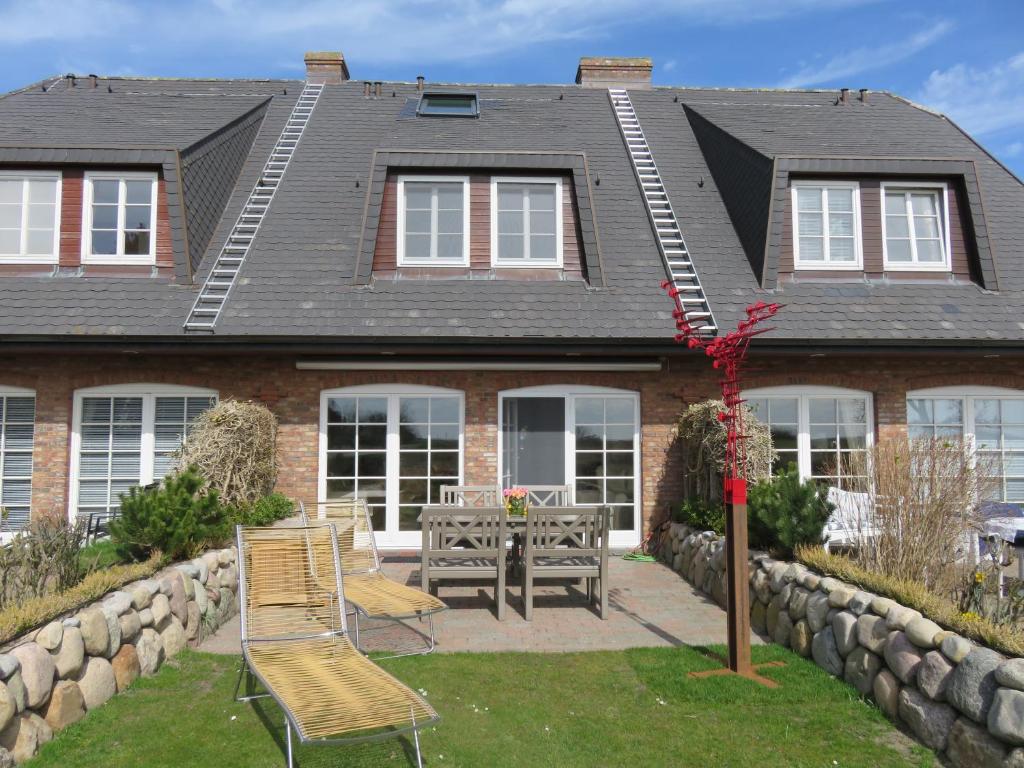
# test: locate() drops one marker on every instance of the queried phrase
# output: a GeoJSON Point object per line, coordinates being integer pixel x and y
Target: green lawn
{"type": "Point", "coordinates": [632, 708]}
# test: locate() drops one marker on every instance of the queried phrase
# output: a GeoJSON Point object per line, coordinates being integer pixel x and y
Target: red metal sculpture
{"type": "Point", "coordinates": [728, 353]}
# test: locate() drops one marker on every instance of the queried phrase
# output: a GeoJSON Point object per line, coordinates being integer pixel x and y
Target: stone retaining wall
{"type": "Point", "coordinates": [50, 677]}
{"type": "Point", "coordinates": [960, 699]}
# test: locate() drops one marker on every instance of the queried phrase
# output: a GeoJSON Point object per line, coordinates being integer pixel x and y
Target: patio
{"type": "Point", "coordinates": [649, 606]}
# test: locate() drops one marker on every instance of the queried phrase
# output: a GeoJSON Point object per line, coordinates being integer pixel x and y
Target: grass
{"type": "Point", "coordinates": [625, 708]}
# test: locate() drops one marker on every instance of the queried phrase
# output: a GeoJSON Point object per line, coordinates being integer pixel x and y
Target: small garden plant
{"type": "Point", "coordinates": [784, 512]}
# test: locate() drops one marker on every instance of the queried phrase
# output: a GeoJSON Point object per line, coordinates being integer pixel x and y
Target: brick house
{"type": "Point", "coordinates": [436, 283]}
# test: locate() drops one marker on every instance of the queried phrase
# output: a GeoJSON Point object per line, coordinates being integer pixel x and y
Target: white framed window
{"type": "Point", "coordinates": [433, 221]}
{"type": "Point", "coordinates": [127, 435]}
{"type": "Point", "coordinates": [395, 446]}
{"type": "Point", "coordinates": [30, 217]}
{"type": "Point", "coordinates": [826, 225]}
{"type": "Point", "coordinates": [915, 226]}
{"type": "Point", "coordinates": [825, 431]}
{"type": "Point", "coordinates": [17, 432]}
{"type": "Point", "coordinates": [991, 419]}
{"type": "Point", "coordinates": [119, 218]}
{"type": "Point", "coordinates": [526, 222]}
{"type": "Point", "coordinates": [582, 436]}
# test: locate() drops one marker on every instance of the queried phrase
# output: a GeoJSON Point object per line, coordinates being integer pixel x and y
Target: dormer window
{"type": "Point", "coordinates": [119, 218]}
{"type": "Point", "coordinates": [29, 217]}
{"type": "Point", "coordinates": [526, 228]}
{"type": "Point", "coordinates": [433, 221]}
{"type": "Point", "coordinates": [448, 105]}
{"type": "Point", "coordinates": [915, 227]}
{"type": "Point", "coordinates": [826, 225]}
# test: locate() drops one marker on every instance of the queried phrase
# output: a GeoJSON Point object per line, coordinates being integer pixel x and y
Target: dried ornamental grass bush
{"type": "Point", "coordinates": [16, 619]}
{"type": "Point", "coordinates": [924, 496]}
{"type": "Point", "coordinates": [704, 436]}
{"type": "Point", "coordinates": [914, 594]}
{"type": "Point", "coordinates": [42, 559]}
{"type": "Point", "coordinates": [234, 446]}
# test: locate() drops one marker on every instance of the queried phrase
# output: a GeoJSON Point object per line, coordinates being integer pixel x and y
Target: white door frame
{"type": "Point", "coordinates": [568, 393]}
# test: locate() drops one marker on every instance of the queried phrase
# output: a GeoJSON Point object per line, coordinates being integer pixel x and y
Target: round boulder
{"type": "Point", "coordinates": [860, 669]}
{"type": "Point", "coordinates": [844, 624]}
{"type": "Point", "coordinates": [66, 705]}
{"type": "Point", "coordinates": [972, 685]}
{"type": "Point", "coordinates": [971, 746]}
{"type": "Point", "coordinates": [23, 737]}
{"type": "Point", "coordinates": [1006, 717]}
{"type": "Point", "coordinates": [8, 709]}
{"type": "Point", "coordinates": [95, 634]}
{"type": "Point", "coordinates": [70, 654]}
{"type": "Point", "coordinates": [825, 653]}
{"type": "Point", "coordinates": [131, 625]}
{"type": "Point", "coordinates": [800, 638]}
{"type": "Point", "coordinates": [886, 690]}
{"type": "Point", "coordinates": [817, 610]}
{"type": "Point", "coordinates": [933, 675]}
{"type": "Point", "coordinates": [37, 672]}
{"type": "Point", "coordinates": [929, 720]}
{"type": "Point", "coordinates": [902, 657]}
{"type": "Point", "coordinates": [872, 632]}
{"type": "Point", "coordinates": [173, 637]}
{"type": "Point", "coordinates": [921, 632]}
{"type": "Point", "coordinates": [97, 682]}
{"type": "Point", "coordinates": [1011, 674]}
{"type": "Point", "coordinates": [126, 667]}
{"type": "Point", "coordinates": [150, 650]}
{"type": "Point", "coordinates": [49, 636]}
{"type": "Point", "coordinates": [955, 648]}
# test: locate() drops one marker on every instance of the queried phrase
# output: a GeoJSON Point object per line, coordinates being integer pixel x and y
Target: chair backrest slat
{"type": "Point", "coordinates": [549, 495]}
{"type": "Point", "coordinates": [470, 495]}
{"type": "Point", "coordinates": [290, 582]}
{"type": "Point", "coordinates": [476, 531]}
{"type": "Point", "coordinates": [557, 530]}
{"type": "Point", "coordinates": [356, 540]}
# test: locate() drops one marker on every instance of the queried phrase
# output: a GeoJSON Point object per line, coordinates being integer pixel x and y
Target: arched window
{"type": "Point", "coordinates": [991, 418]}
{"type": "Point", "coordinates": [825, 431]}
{"type": "Point", "coordinates": [395, 446]}
{"type": "Point", "coordinates": [17, 431]}
{"type": "Point", "coordinates": [127, 435]}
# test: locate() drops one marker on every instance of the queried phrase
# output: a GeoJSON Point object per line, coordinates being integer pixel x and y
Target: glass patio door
{"type": "Point", "coordinates": [395, 450]}
{"type": "Point", "coordinates": [586, 438]}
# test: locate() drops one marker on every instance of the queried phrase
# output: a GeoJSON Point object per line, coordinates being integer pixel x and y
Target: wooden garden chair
{"type": "Point", "coordinates": [567, 543]}
{"type": "Point", "coordinates": [464, 543]}
{"type": "Point", "coordinates": [470, 495]}
{"type": "Point", "coordinates": [370, 593]}
{"type": "Point", "coordinates": [295, 643]}
{"type": "Point", "coordinates": [549, 496]}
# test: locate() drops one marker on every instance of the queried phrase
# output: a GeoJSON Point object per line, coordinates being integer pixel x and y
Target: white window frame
{"type": "Point", "coordinates": [915, 266]}
{"type": "Point", "coordinates": [526, 262]}
{"type": "Point", "coordinates": [569, 393]}
{"type": "Point", "coordinates": [87, 197]}
{"type": "Point", "coordinates": [804, 394]}
{"type": "Point", "coordinates": [966, 395]}
{"type": "Point", "coordinates": [858, 245]}
{"type": "Point", "coordinates": [147, 450]}
{"type": "Point", "coordinates": [391, 537]}
{"type": "Point", "coordinates": [434, 261]}
{"type": "Point", "coordinates": [7, 391]}
{"type": "Point", "coordinates": [23, 257]}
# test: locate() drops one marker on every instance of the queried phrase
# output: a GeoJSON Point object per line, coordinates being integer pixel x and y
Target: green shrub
{"type": "Point", "coordinates": [265, 511]}
{"type": "Point", "coordinates": [784, 512]}
{"type": "Point", "coordinates": [97, 556]}
{"type": "Point", "coordinates": [179, 518]}
{"type": "Point", "coordinates": [702, 515]}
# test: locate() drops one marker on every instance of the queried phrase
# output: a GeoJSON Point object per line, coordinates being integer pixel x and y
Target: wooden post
{"type": "Point", "coordinates": [738, 590]}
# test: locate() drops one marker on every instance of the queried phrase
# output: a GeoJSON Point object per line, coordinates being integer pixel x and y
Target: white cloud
{"type": "Point", "coordinates": [669, 65]}
{"type": "Point", "coordinates": [981, 101]}
{"type": "Point", "coordinates": [1016, 149]}
{"type": "Point", "coordinates": [866, 59]}
{"type": "Point", "coordinates": [376, 31]}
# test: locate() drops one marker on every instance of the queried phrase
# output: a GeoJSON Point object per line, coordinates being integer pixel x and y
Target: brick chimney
{"type": "Point", "coordinates": [611, 71]}
{"type": "Point", "coordinates": [326, 67]}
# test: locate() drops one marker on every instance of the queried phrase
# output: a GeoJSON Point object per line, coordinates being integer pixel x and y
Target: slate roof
{"type": "Point", "coordinates": [300, 278]}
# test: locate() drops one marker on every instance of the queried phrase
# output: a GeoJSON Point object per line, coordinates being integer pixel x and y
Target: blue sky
{"type": "Point", "coordinates": [962, 57]}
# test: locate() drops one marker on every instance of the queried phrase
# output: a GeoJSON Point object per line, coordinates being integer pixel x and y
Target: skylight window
{"type": "Point", "coordinates": [449, 105]}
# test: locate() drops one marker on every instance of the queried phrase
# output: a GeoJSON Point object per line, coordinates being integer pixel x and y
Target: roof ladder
{"type": "Point", "coordinates": [224, 273]}
{"type": "Point", "coordinates": [674, 252]}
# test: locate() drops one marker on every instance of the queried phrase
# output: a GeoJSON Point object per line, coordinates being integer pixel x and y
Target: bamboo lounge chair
{"type": "Point", "coordinates": [372, 594]}
{"type": "Point", "coordinates": [295, 644]}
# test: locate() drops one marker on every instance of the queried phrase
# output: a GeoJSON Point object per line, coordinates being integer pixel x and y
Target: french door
{"type": "Point", "coordinates": [585, 437]}
{"type": "Point", "coordinates": [394, 447]}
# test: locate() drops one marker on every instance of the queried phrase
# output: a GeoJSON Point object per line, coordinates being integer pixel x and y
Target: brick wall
{"type": "Point", "coordinates": [294, 396]}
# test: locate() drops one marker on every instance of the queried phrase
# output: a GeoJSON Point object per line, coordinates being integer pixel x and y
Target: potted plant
{"type": "Point", "coordinates": [515, 501]}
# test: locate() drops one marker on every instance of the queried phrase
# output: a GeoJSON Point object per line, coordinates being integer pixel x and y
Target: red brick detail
{"type": "Point", "coordinates": [164, 246]}
{"type": "Point", "coordinates": [71, 217]}
{"type": "Point", "coordinates": [294, 397]}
